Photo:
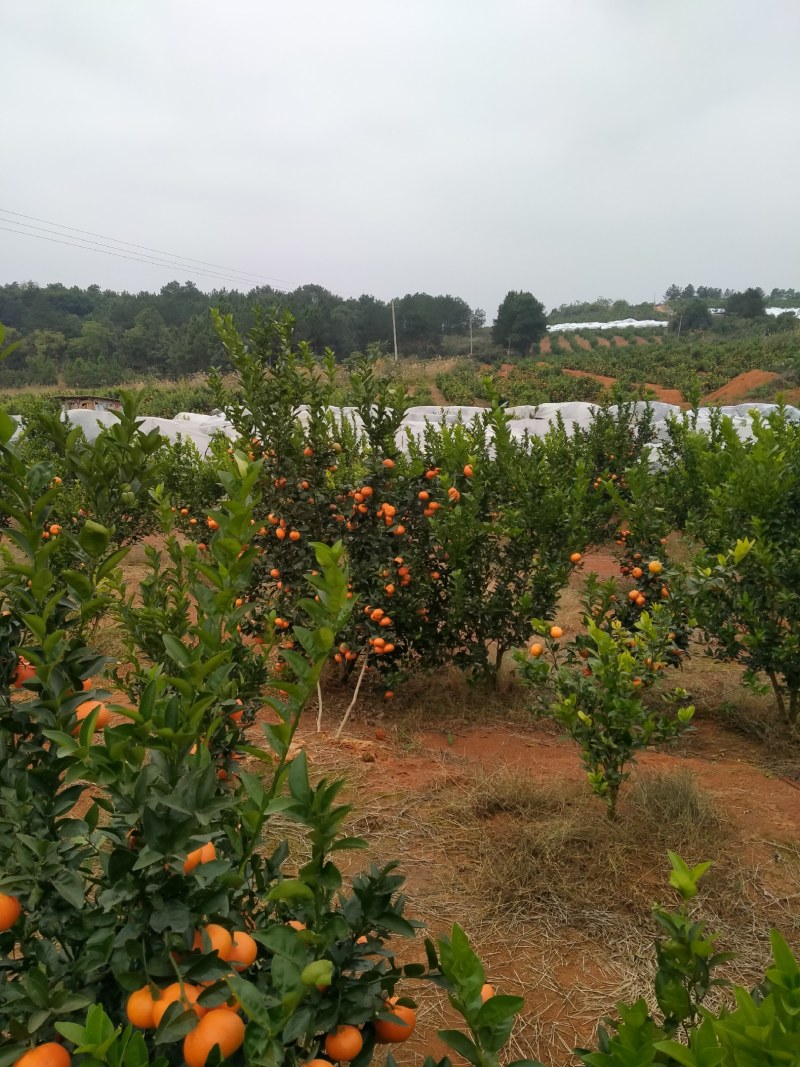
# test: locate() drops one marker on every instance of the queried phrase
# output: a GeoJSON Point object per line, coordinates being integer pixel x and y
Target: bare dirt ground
{"type": "Point", "coordinates": [740, 387]}
{"type": "Point", "coordinates": [668, 396]}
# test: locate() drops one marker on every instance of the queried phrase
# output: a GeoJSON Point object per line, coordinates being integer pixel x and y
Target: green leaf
{"type": "Point", "coordinates": [94, 539]}
{"type": "Point", "coordinates": [461, 1044]}
{"type": "Point", "coordinates": [8, 425]}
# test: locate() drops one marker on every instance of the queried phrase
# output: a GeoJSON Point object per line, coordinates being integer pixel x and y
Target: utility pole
{"type": "Point", "coordinates": [394, 333]}
{"type": "Point", "coordinates": [680, 323]}
{"type": "Point", "coordinates": [470, 335]}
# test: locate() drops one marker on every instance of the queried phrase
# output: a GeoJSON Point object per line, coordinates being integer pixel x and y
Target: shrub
{"type": "Point", "coordinates": [595, 688]}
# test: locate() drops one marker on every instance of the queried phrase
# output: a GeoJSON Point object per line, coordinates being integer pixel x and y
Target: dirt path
{"type": "Point", "coordinates": [668, 396]}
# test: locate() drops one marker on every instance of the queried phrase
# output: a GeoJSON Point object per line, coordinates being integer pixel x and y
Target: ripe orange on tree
{"type": "Point", "coordinates": [87, 707]}
{"type": "Point", "coordinates": [140, 1008]}
{"type": "Point", "coordinates": [244, 950]}
{"type": "Point", "coordinates": [10, 911]}
{"type": "Point", "coordinates": [487, 992]}
{"type": "Point", "coordinates": [24, 672]}
{"type": "Point", "coordinates": [556, 632]}
{"type": "Point", "coordinates": [219, 1027]}
{"type": "Point", "coordinates": [50, 1054]}
{"type": "Point", "coordinates": [219, 938]}
{"type": "Point", "coordinates": [173, 994]}
{"type": "Point", "coordinates": [205, 854]}
{"type": "Point", "coordinates": [387, 1031]}
{"type": "Point", "coordinates": [343, 1043]}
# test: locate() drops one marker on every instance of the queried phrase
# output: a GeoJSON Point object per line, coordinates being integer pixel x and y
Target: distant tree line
{"type": "Point", "coordinates": [603, 310]}
{"type": "Point", "coordinates": [692, 308]}
{"type": "Point", "coordinates": [93, 337]}
{"type": "Point", "coordinates": [721, 298]}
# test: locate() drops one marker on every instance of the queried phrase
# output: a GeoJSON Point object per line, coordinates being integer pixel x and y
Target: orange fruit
{"type": "Point", "coordinates": [423, 495]}
{"type": "Point", "coordinates": [172, 995]}
{"type": "Point", "coordinates": [468, 471]}
{"type": "Point", "coordinates": [308, 451]}
{"type": "Point", "coordinates": [536, 650]}
{"type": "Point", "coordinates": [575, 557]}
{"type": "Point", "coordinates": [487, 992]}
{"type": "Point", "coordinates": [556, 632]}
{"type": "Point", "coordinates": [343, 1043]}
{"type": "Point", "coordinates": [24, 672]}
{"type": "Point", "coordinates": [387, 1031]}
{"type": "Point", "coordinates": [637, 572]}
{"type": "Point", "coordinates": [388, 464]}
{"type": "Point", "coordinates": [243, 950]}
{"type": "Point", "coordinates": [219, 1027]}
{"type": "Point", "coordinates": [219, 938]}
{"type": "Point", "coordinates": [294, 535]}
{"type": "Point", "coordinates": [212, 523]}
{"type": "Point", "coordinates": [184, 511]}
{"type": "Point", "coordinates": [633, 594]}
{"type": "Point", "coordinates": [50, 1054]}
{"type": "Point", "coordinates": [317, 1063]}
{"type": "Point", "coordinates": [10, 911]}
{"type": "Point", "coordinates": [655, 567]}
{"type": "Point", "coordinates": [140, 1008]}
{"type": "Point", "coordinates": [280, 533]}
{"type": "Point", "coordinates": [204, 854]}
{"type": "Point", "coordinates": [55, 529]}
{"type": "Point", "coordinates": [296, 924]}
{"type": "Point", "coordinates": [87, 707]}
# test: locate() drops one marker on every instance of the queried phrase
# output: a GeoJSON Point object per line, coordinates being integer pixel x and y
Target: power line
{"type": "Point", "coordinates": [227, 271]}
{"type": "Point", "coordinates": [121, 255]}
{"type": "Point", "coordinates": [85, 243]}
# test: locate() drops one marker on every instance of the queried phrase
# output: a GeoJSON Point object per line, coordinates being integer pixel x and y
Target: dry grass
{"type": "Point", "coordinates": [554, 897]}
{"type": "Point", "coordinates": [549, 850]}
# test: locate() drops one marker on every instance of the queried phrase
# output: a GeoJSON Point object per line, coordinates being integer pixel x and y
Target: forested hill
{"type": "Point", "coordinates": [94, 337]}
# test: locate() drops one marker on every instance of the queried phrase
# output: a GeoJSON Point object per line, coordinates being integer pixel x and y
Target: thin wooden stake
{"type": "Point", "coordinates": [319, 714]}
{"type": "Point", "coordinates": [352, 703]}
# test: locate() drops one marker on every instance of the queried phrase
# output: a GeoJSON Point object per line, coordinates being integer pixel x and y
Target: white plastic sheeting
{"type": "Point", "coordinates": [526, 419]}
{"type": "Point", "coordinates": [617, 324]}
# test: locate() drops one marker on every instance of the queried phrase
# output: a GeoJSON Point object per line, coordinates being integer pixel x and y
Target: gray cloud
{"type": "Point", "coordinates": [469, 146]}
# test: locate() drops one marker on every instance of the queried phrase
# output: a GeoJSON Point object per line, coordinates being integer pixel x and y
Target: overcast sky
{"type": "Point", "coordinates": [573, 148]}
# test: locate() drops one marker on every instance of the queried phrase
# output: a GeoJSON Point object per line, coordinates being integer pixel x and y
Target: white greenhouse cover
{"type": "Point", "coordinates": [527, 419]}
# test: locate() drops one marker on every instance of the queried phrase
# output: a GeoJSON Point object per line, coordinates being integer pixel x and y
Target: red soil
{"type": "Point", "coordinates": [740, 387]}
{"type": "Point", "coordinates": [668, 396]}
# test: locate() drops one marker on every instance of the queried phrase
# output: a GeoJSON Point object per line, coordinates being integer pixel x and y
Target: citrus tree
{"type": "Point", "coordinates": [150, 909]}
{"type": "Point", "coordinates": [595, 687]}
{"type": "Point", "coordinates": [745, 585]}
